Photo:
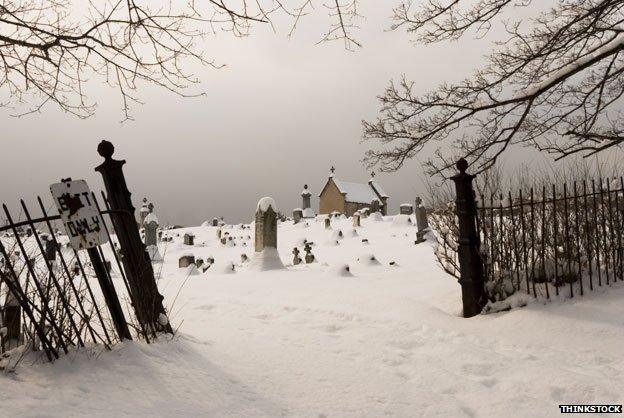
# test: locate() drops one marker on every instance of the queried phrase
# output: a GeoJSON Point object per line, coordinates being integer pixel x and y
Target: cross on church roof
{"type": "Point", "coordinates": [332, 169]}
{"type": "Point", "coordinates": [372, 174]}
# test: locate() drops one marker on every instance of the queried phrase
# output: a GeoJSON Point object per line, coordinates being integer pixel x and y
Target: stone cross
{"type": "Point", "coordinates": [266, 224]}
{"type": "Point", "coordinates": [309, 257]}
{"type": "Point", "coordinates": [296, 258]}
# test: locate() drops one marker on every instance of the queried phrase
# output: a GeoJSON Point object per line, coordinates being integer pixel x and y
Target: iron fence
{"type": "Point", "coordinates": [48, 295]}
{"type": "Point", "coordinates": [560, 240]}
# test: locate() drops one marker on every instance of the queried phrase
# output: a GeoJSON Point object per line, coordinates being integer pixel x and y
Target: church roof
{"type": "Point", "coordinates": [356, 192]}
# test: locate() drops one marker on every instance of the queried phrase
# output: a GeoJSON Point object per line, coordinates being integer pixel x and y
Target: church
{"type": "Point", "coordinates": [347, 197]}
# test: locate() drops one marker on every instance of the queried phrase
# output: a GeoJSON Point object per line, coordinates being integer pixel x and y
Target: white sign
{"type": "Point", "coordinates": [82, 220]}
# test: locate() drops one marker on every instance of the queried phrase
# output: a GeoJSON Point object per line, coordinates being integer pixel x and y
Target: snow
{"type": "Point", "coordinates": [318, 340]}
{"type": "Point", "coordinates": [151, 217]}
{"type": "Point", "coordinates": [265, 203]}
{"type": "Point", "coordinates": [267, 259]}
{"type": "Point", "coordinates": [356, 192]}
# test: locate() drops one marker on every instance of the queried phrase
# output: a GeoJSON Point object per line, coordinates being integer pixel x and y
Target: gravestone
{"type": "Point", "coordinates": [406, 209]}
{"type": "Point", "coordinates": [297, 215]}
{"type": "Point", "coordinates": [327, 223]}
{"type": "Point", "coordinates": [189, 238]}
{"type": "Point", "coordinates": [296, 258]}
{"type": "Point", "coordinates": [215, 222]}
{"type": "Point", "coordinates": [50, 248]}
{"type": "Point", "coordinates": [244, 258]}
{"type": "Point", "coordinates": [309, 257]}
{"type": "Point", "coordinates": [150, 223]}
{"type": "Point", "coordinates": [266, 224]}
{"type": "Point", "coordinates": [186, 260]}
{"type": "Point", "coordinates": [356, 219]}
{"type": "Point", "coordinates": [160, 235]}
{"type": "Point", "coordinates": [374, 206]}
{"type": "Point", "coordinates": [421, 215]}
{"type": "Point", "coordinates": [305, 197]}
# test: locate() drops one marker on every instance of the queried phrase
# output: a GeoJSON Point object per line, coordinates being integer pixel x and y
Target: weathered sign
{"type": "Point", "coordinates": [79, 214]}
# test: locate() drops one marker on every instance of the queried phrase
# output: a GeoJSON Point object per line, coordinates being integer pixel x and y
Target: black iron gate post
{"type": "Point", "coordinates": [150, 310]}
{"type": "Point", "coordinates": [110, 295]}
{"type": "Point", "coordinates": [470, 263]}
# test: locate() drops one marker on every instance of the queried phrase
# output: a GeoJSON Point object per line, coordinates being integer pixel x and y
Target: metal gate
{"type": "Point", "coordinates": [54, 297]}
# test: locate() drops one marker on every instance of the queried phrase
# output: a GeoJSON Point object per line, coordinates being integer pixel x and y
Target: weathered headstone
{"type": "Point", "coordinates": [421, 215]}
{"type": "Point", "coordinates": [189, 238]}
{"type": "Point", "coordinates": [305, 197]}
{"type": "Point", "coordinates": [244, 258]}
{"type": "Point", "coordinates": [297, 215]}
{"type": "Point", "coordinates": [266, 224]}
{"type": "Point", "coordinates": [186, 260]}
{"type": "Point", "coordinates": [215, 222]}
{"type": "Point", "coordinates": [406, 209]}
{"type": "Point", "coordinates": [150, 223]}
{"type": "Point", "coordinates": [356, 219]}
{"type": "Point", "coordinates": [327, 223]}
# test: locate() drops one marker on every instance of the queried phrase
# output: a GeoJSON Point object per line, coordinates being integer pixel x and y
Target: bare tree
{"type": "Point", "coordinates": [49, 49]}
{"type": "Point", "coordinates": [555, 86]}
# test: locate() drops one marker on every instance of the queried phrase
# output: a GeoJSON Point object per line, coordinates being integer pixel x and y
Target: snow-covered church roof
{"type": "Point", "coordinates": [358, 192]}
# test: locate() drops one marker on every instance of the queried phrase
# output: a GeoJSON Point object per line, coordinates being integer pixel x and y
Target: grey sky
{"type": "Point", "coordinates": [279, 115]}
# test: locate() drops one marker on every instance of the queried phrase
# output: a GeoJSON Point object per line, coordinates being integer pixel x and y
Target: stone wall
{"type": "Point", "coordinates": [331, 199]}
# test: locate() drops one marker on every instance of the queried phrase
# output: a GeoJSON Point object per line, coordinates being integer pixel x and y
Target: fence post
{"type": "Point", "coordinates": [135, 258]}
{"type": "Point", "coordinates": [470, 263]}
{"type": "Point", "coordinates": [110, 295]}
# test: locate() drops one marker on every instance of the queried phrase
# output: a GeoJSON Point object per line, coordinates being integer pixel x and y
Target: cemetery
{"type": "Point", "coordinates": [174, 243]}
{"type": "Point", "coordinates": [312, 303]}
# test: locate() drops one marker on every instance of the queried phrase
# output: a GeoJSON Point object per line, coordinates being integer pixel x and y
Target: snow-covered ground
{"type": "Point", "coordinates": [319, 341]}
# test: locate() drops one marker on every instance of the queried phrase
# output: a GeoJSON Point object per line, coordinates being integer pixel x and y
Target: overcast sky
{"type": "Point", "coordinates": [281, 113]}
